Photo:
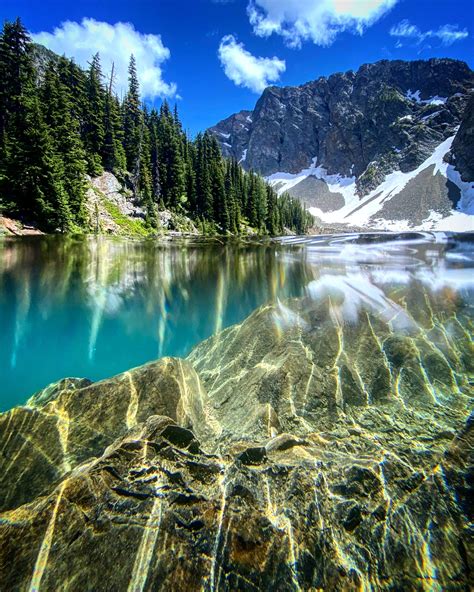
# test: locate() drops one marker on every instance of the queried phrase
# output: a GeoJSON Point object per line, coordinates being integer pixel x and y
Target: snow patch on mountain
{"type": "Point", "coordinates": [336, 183]}
{"type": "Point", "coordinates": [415, 96]}
{"type": "Point", "coordinates": [244, 156]}
{"type": "Point", "coordinates": [366, 211]}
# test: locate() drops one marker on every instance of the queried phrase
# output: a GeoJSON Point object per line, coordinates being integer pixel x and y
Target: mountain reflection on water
{"type": "Point", "coordinates": [94, 307]}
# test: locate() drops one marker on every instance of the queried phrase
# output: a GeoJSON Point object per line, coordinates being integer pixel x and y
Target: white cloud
{"type": "Point", "coordinates": [115, 43]}
{"type": "Point", "coordinates": [447, 34]}
{"type": "Point", "coordinates": [405, 29]}
{"type": "Point", "coordinates": [245, 69]}
{"type": "Point", "coordinates": [319, 21]}
{"type": "Point", "coordinates": [450, 33]}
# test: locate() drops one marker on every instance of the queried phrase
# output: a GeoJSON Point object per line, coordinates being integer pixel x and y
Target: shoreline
{"type": "Point", "coordinates": [11, 227]}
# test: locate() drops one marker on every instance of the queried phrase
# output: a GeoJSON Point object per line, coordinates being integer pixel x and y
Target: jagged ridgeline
{"type": "Point", "coordinates": [60, 124]}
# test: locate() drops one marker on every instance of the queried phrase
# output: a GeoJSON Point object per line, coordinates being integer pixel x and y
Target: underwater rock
{"type": "Point", "coordinates": [301, 368]}
{"type": "Point", "coordinates": [303, 449]}
{"type": "Point", "coordinates": [74, 420]}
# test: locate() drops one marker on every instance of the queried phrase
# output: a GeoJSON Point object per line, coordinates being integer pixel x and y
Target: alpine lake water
{"type": "Point", "coordinates": [94, 307]}
{"type": "Point", "coordinates": [314, 431]}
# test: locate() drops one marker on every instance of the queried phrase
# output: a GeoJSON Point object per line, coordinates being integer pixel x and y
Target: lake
{"type": "Point", "coordinates": [94, 307]}
{"type": "Point", "coordinates": [316, 429]}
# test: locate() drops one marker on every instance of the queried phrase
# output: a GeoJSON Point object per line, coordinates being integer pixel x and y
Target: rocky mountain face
{"type": "Point", "coordinates": [326, 455]}
{"type": "Point", "coordinates": [233, 135]}
{"type": "Point", "coordinates": [463, 145]}
{"type": "Point", "coordinates": [361, 126]}
{"type": "Point", "coordinates": [42, 57]}
{"type": "Point", "coordinates": [390, 109]}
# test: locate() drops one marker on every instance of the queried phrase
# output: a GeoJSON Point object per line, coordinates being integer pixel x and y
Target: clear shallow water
{"type": "Point", "coordinates": [95, 307]}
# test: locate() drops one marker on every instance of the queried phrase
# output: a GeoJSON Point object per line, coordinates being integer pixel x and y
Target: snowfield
{"type": "Point", "coordinates": [365, 212]}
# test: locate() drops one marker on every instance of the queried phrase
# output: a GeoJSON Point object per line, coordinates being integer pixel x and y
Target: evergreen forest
{"type": "Point", "coordinates": [61, 124]}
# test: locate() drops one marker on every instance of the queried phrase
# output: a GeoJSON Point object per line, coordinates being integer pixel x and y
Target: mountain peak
{"type": "Point", "coordinates": [349, 120]}
{"type": "Point", "coordinates": [387, 116]}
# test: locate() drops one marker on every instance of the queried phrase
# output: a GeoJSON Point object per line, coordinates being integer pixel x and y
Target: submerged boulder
{"type": "Point", "coordinates": [312, 447]}
{"type": "Point", "coordinates": [313, 364]}
{"type": "Point", "coordinates": [73, 420]}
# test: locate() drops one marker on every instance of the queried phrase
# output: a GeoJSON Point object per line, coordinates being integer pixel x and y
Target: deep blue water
{"type": "Point", "coordinates": [95, 307]}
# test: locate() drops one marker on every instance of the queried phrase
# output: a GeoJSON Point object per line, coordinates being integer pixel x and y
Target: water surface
{"type": "Point", "coordinates": [93, 307]}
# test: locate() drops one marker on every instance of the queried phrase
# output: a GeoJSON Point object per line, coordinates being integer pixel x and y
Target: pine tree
{"type": "Point", "coordinates": [172, 174]}
{"type": "Point", "coordinates": [113, 155]}
{"type": "Point", "coordinates": [190, 175]}
{"type": "Point", "coordinates": [204, 197]}
{"type": "Point", "coordinates": [273, 223]}
{"type": "Point", "coordinates": [215, 164]}
{"type": "Point", "coordinates": [230, 200]}
{"type": "Point", "coordinates": [67, 146]}
{"type": "Point", "coordinates": [34, 170]}
{"type": "Point", "coordinates": [261, 204]}
{"type": "Point", "coordinates": [155, 159]}
{"type": "Point", "coordinates": [144, 181]}
{"type": "Point", "coordinates": [75, 79]}
{"type": "Point", "coordinates": [93, 131]}
{"type": "Point", "coordinates": [16, 71]}
{"type": "Point", "coordinates": [177, 186]}
{"type": "Point", "coordinates": [132, 119]}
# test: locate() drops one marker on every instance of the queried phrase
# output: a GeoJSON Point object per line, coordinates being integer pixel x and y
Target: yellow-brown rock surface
{"type": "Point", "coordinates": [306, 449]}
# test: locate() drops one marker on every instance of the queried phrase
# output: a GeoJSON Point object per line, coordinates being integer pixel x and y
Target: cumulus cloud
{"type": "Point", "coordinates": [319, 21]}
{"type": "Point", "coordinates": [115, 43]}
{"type": "Point", "coordinates": [245, 69]}
{"type": "Point", "coordinates": [447, 34]}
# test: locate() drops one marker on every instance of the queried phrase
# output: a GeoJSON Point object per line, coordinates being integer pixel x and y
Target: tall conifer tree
{"type": "Point", "coordinates": [132, 118]}
{"type": "Point", "coordinates": [31, 172]}
{"type": "Point", "coordinates": [94, 132]}
{"type": "Point", "coordinates": [66, 142]}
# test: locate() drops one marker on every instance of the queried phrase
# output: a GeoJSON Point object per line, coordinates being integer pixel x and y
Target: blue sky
{"type": "Point", "coordinates": [217, 55]}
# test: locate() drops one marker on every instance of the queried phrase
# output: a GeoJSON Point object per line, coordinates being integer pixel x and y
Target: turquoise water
{"type": "Point", "coordinates": [95, 307]}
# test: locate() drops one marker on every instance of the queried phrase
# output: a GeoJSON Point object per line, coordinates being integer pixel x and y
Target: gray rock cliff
{"type": "Point", "coordinates": [388, 115]}
{"type": "Point", "coordinates": [463, 144]}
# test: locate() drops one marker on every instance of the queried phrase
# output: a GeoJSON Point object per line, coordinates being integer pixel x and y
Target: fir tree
{"type": "Point", "coordinates": [132, 117]}
{"type": "Point", "coordinates": [113, 155]}
{"type": "Point", "coordinates": [94, 132]}
{"type": "Point", "coordinates": [232, 204]}
{"type": "Point", "coordinates": [66, 142]}
{"type": "Point", "coordinates": [172, 174]}
{"type": "Point", "coordinates": [31, 172]}
{"type": "Point", "coordinates": [16, 73]}
{"type": "Point", "coordinates": [190, 175]}
{"type": "Point", "coordinates": [34, 171]}
{"type": "Point", "coordinates": [204, 198]}
{"type": "Point", "coordinates": [155, 159]}
{"type": "Point", "coordinates": [144, 179]}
